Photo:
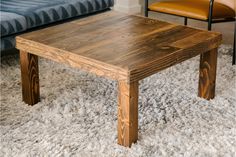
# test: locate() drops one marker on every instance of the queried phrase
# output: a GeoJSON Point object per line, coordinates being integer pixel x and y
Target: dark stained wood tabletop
{"type": "Point", "coordinates": [121, 43]}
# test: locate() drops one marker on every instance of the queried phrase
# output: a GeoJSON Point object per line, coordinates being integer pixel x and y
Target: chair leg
{"type": "Point", "coordinates": [146, 8]}
{"type": "Point", "coordinates": [234, 55]}
{"type": "Point", "coordinates": [209, 25]}
{"type": "Point", "coordinates": [146, 13]}
{"type": "Point", "coordinates": [210, 14]}
{"type": "Point", "coordinates": [185, 21]}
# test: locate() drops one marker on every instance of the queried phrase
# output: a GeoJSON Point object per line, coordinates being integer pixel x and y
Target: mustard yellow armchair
{"type": "Point", "coordinates": [205, 10]}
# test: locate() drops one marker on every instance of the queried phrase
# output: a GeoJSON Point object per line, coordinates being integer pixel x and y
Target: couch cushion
{"type": "Point", "coordinates": [11, 23]}
{"type": "Point", "coordinates": [41, 12]}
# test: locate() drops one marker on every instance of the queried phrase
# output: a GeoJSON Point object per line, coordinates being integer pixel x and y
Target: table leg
{"type": "Point", "coordinates": [207, 74]}
{"type": "Point", "coordinates": [127, 113]}
{"type": "Point", "coordinates": [29, 78]}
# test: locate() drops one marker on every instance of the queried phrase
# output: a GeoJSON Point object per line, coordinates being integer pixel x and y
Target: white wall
{"type": "Point", "coordinates": [128, 6]}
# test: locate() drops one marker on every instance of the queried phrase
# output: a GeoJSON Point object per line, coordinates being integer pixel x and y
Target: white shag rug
{"type": "Point", "coordinates": [77, 115]}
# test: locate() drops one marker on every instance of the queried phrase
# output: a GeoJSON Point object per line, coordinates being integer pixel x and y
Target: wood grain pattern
{"type": "Point", "coordinates": [119, 46]}
{"type": "Point", "coordinates": [29, 77]}
{"type": "Point", "coordinates": [127, 113]}
{"type": "Point", "coordinates": [207, 74]}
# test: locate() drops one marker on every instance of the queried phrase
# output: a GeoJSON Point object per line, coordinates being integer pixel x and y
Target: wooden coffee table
{"type": "Point", "coordinates": [122, 47]}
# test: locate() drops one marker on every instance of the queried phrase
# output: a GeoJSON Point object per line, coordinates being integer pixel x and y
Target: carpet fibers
{"type": "Point", "coordinates": [77, 115]}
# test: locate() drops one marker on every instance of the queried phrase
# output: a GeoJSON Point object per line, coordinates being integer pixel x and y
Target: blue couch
{"type": "Point", "coordinates": [19, 16]}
